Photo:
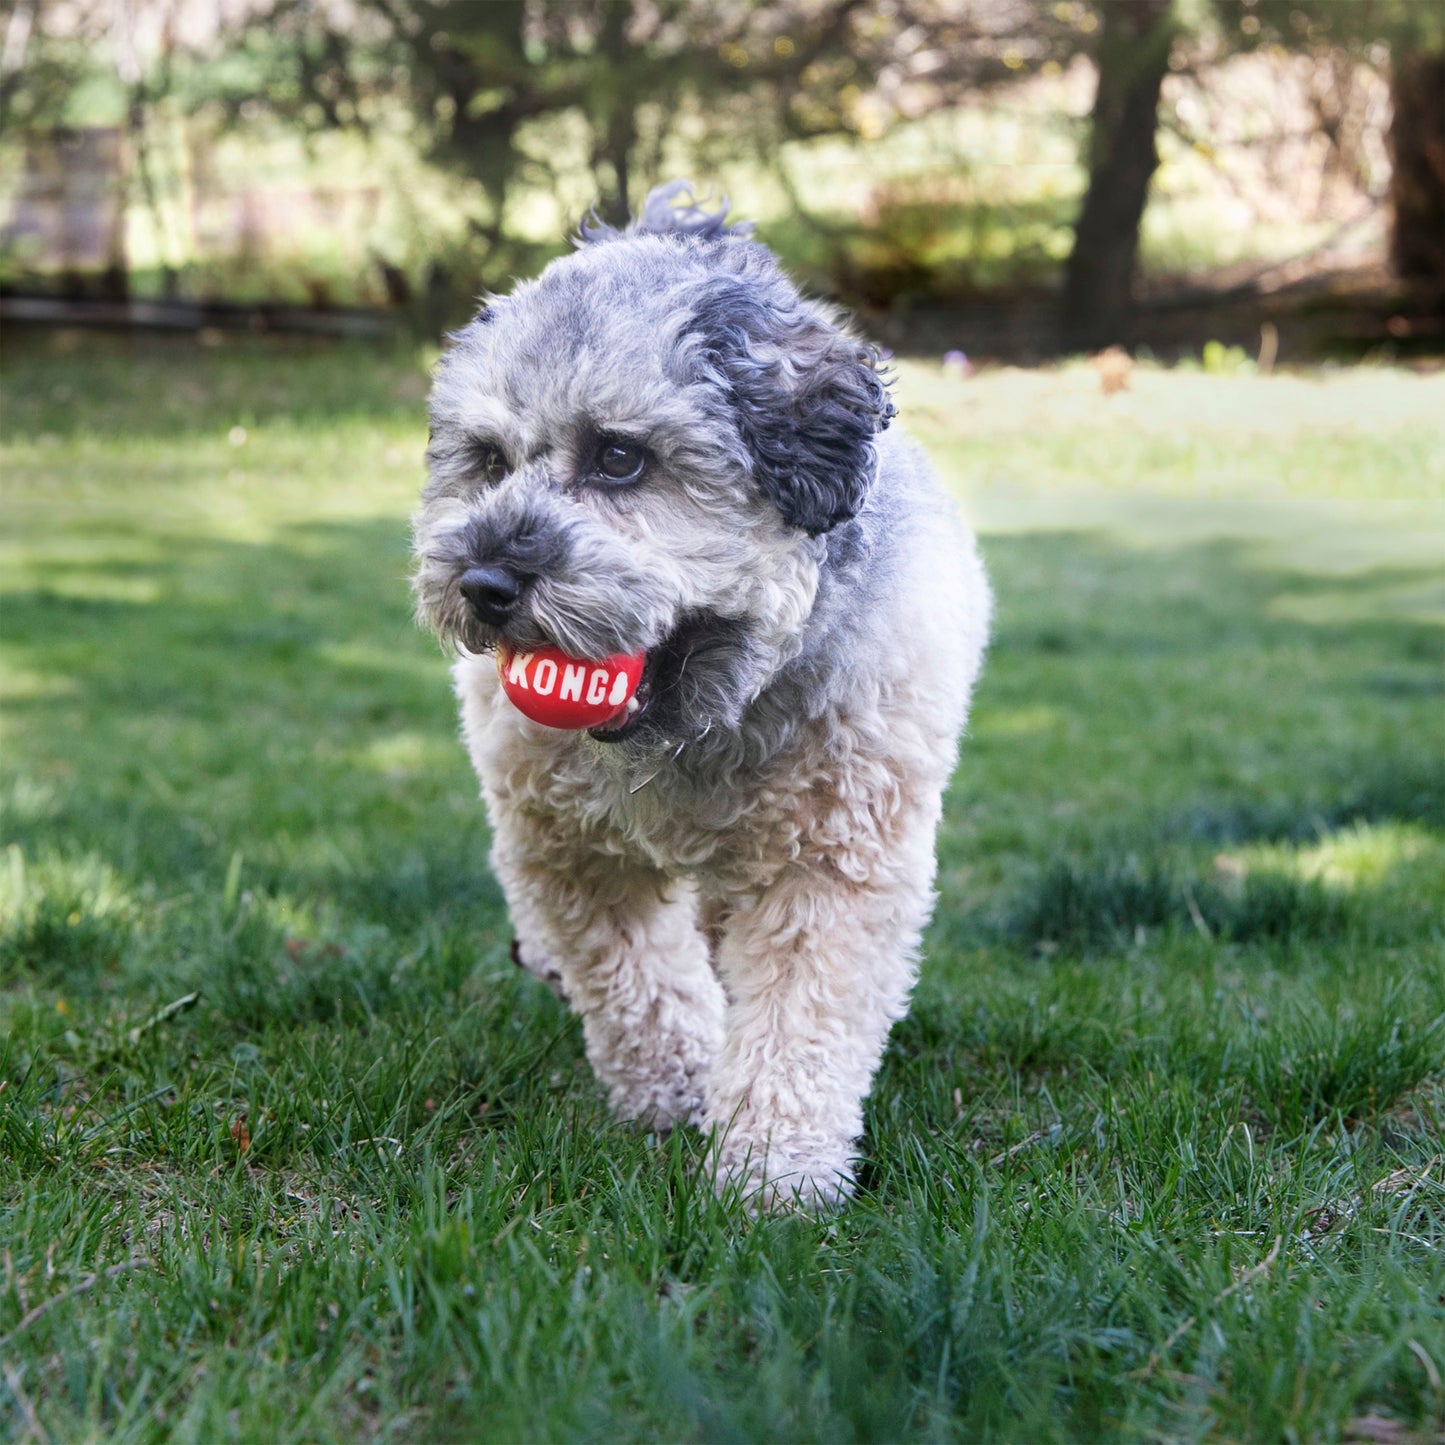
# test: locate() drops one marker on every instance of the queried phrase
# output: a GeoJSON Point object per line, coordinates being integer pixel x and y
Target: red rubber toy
{"type": "Point", "coordinates": [559, 691]}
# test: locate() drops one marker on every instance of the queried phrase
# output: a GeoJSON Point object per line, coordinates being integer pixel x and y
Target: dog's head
{"type": "Point", "coordinates": [640, 451]}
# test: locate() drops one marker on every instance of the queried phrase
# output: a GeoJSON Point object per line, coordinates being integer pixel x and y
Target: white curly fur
{"type": "Point", "coordinates": [733, 907]}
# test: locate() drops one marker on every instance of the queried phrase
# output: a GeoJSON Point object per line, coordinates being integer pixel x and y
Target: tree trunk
{"type": "Point", "coordinates": [1417, 181]}
{"type": "Point", "coordinates": [614, 116]}
{"type": "Point", "coordinates": [482, 46]}
{"type": "Point", "coordinates": [1099, 279]}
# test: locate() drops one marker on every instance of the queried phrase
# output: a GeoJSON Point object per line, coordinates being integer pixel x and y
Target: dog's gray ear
{"type": "Point", "coordinates": [807, 399]}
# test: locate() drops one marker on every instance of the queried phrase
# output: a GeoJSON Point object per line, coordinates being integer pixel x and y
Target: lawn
{"type": "Point", "coordinates": [290, 1151]}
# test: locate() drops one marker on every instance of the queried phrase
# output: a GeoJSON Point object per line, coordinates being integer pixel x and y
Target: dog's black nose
{"type": "Point", "coordinates": [491, 592]}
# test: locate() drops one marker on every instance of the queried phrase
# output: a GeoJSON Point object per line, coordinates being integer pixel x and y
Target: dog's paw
{"type": "Point", "coordinates": [656, 1105]}
{"type": "Point", "coordinates": [655, 1057]}
{"type": "Point", "coordinates": [778, 1183]}
{"type": "Point", "coordinates": [662, 1090]}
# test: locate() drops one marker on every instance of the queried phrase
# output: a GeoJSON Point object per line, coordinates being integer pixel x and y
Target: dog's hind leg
{"type": "Point", "coordinates": [631, 960]}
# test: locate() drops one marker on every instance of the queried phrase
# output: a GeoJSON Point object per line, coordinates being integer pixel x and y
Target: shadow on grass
{"type": "Point", "coordinates": [1118, 903]}
{"type": "Point", "coordinates": [269, 710]}
{"type": "Point", "coordinates": [1143, 710]}
{"type": "Point", "coordinates": [274, 704]}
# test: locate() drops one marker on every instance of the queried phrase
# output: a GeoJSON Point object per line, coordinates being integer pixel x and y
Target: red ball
{"type": "Point", "coordinates": [559, 691]}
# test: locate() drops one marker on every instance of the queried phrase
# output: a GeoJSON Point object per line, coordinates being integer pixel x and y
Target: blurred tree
{"type": "Point", "coordinates": [473, 74]}
{"type": "Point", "coordinates": [484, 83]}
{"type": "Point", "coordinates": [735, 77]}
{"type": "Point", "coordinates": [488, 84]}
{"type": "Point", "coordinates": [1417, 182]}
{"type": "Point", "coordinates": [1414, 33]}
{"type": "Point", "coordinates": [1132, 60]}
{"type": "Point", "coordinates": [1133, 56]}
{"type": "Point", "coordinates": [44, 50]}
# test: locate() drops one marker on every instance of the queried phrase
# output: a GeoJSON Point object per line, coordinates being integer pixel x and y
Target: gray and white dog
{"type": "Point", "coordinates": [658, 445]}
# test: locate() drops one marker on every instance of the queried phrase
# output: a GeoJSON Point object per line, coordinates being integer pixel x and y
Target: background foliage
{"type": "Point", "coordinates": [906, 154]}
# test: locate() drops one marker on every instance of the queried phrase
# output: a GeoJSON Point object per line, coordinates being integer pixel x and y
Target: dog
{"type": "Point", "coordinates": [660, 446]}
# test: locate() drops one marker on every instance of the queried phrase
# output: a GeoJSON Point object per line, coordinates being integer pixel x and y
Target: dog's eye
{"type": "Point", "coordinates": [491, 462]}
{"type": "Point", "coordinates": [621, 461]}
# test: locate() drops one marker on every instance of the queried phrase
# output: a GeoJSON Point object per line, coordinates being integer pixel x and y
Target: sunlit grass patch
{"type": "Point", "coordinates": [1361, 856]}
{"type": "Point", "coordinates": [401, 756]}
{"type": "Point", "coordinates": [62, 919]}
{"type": "Point", "coordinates": [1365, 881]}
{"type": "Point", "coordinates": [1119, 902]}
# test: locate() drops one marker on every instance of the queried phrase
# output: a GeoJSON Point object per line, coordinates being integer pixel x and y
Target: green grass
{"type": "Point", "coordinates": [1156, 1155]}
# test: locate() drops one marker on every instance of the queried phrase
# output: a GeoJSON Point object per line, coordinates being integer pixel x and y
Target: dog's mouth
{"type": "Point", "coordinates": [692, 681]}
{"type": "Point", "coordinates": [630, 717]}
{"type": "Point", "coordinates": [662, 671]}
{"type": "Point", "coordinates": [673, 699]}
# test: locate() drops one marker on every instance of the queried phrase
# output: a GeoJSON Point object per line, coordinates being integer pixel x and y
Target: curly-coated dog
{"type": "Point", "coordinates": [659, 446]}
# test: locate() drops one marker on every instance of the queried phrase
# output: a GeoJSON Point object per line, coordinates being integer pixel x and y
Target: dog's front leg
{"type": "Point", "coordinates": [631, 961]}
{"type": "Point", "coordinates": [817, 969]}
